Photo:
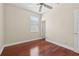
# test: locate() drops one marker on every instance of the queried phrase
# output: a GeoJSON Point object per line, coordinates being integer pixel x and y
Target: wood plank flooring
{"type": "Point", "coordinates": [37, 48]}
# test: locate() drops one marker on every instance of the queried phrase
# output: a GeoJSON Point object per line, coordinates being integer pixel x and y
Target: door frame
{"type": "Point", "coordinates": [75, 30]}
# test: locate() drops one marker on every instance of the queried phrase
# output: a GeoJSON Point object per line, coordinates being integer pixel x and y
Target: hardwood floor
{"type": "Point", "coordinates": [37, 48]}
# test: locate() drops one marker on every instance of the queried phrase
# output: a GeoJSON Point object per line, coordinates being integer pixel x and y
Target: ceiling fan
{"type": "Point", "coordinates": [45, 5]}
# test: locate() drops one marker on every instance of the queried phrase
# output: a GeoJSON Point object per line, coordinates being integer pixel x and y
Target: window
{"type": "Point", "coordinates": [34, 26]}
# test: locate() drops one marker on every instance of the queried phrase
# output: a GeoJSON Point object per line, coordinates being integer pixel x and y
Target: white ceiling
{"type": "Point", "coordinates": [33, 7]}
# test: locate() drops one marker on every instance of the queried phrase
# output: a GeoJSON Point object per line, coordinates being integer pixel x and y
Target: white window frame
{"type": "Point", "coordinates": [34, 27]}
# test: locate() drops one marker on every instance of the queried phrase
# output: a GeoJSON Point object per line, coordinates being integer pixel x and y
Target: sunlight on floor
{"type": "Point", "coordinates": [34, 51]}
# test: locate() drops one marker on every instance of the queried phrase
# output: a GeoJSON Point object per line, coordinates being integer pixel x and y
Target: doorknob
{"type": "Point", "coordinates": [75, 33]}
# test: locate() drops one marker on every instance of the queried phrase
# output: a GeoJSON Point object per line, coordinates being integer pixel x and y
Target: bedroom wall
{"type": "Point", "coordinates": [60, 24]}
{"type": "Point", "coordinates": [17, 23]}
{"type": "Point", "coordinates": [1, 27]}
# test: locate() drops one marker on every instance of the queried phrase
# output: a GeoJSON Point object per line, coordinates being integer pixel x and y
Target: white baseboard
{"type": "Point", "coordinates": [70, 48]}
{"type": "Point", "coordinates": [1, 49]}
{"type": "Point", "coordinates": [6, 45]}
{"type": "Point", "coordinates": [37, 39]}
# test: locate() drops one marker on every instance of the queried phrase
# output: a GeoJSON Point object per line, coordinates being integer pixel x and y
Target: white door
{"type": "Point", "coordinates": [76, 30]}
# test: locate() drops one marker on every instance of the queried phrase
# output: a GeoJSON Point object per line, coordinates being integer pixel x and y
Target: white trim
{"type": "Point", "coordinates": [65, 46]}
{"type": "Point", "coordinates": [20, 42]}
{"type": "Point", "coordinates": [6, 45]}
{"type": "Point", "coordinates": [1, 49]}
{"type": "Point", "coordinates": [76, 33]}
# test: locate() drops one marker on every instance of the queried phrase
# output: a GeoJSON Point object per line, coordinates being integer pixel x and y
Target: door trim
{"type": "Point", "coordinates": [75, 31]}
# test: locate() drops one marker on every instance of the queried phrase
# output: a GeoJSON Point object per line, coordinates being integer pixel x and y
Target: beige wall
{"type": "Point", "coordinates": [17, 25]}
{"type": "Point", "coordinates": [60, 24]}
{"type": "Point", "coordinates": [1, 27]}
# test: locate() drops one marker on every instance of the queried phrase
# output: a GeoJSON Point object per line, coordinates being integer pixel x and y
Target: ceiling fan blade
{"type": "Point", "coordinates": [40, 3]}
{"type": "Point", "coordinates": [47, 6]}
